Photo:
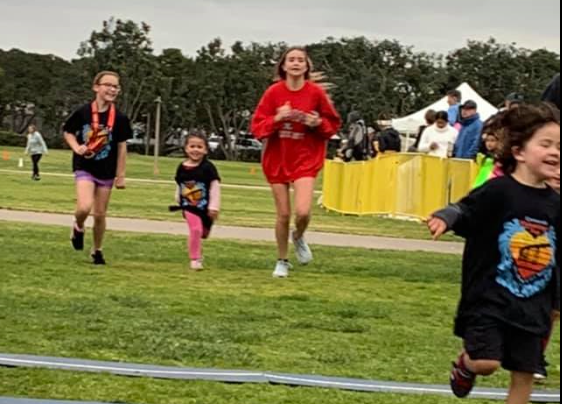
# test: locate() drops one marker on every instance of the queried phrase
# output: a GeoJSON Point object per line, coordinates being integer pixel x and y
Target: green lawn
{"type": "Point", "coordinates": [354, 313]}
{"type": "Point", "coordinates": [241, 207]}
{"type": "Point", "coordinates": [59, 161]}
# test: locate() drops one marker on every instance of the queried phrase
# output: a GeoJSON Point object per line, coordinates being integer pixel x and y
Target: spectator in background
{"type": "Point", "coordinates": [36, 148]}
{"type": "Point", "coordinates": [430, 117]}
{"type": "Point", "coordinates": [454, 98]}
{"type": "Point", "coordinates": [488, 157]}
{"type": "Point", "coordinates": [388, 140]}
{"type": "Point", "coordinates": [439, 139]}
{"type": "Point", "coordinates": [552, 93]}
{"type": "Point", "coordinates": [358, 146]}
{"type": "Point", "coordinates": [470, 136]}
{"type": "Point", "coordinates": [514, 100]}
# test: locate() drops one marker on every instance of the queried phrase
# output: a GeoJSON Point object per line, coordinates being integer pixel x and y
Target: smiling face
{"type": "Point", "coordinates": [541, 155]}
{"type": "Point", "coordinates": [196, 149]}
{"type": "Point", "coordinates": [107, 88]}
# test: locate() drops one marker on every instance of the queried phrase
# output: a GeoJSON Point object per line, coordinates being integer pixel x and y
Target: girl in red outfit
{"type": "Point", "coordinates": [295, 119]}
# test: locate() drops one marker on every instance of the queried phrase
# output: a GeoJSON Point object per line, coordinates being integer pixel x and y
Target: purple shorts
{"type": "Point", "coordinates": [86, 176]}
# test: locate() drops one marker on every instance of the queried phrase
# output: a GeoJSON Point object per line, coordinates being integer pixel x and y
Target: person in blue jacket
{"type": "Point", "coordinates": [470, 137]}
{"type": "Point", "coordinates": [454, 99]}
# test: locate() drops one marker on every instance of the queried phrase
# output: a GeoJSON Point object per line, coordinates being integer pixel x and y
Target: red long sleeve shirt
{"type": "Point", "coordinates": [292, 149]}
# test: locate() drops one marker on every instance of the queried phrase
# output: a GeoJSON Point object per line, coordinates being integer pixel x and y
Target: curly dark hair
{"type": "Point", "coordinates": [518, 126]}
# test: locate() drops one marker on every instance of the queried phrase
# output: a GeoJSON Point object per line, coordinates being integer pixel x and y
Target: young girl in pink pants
{"type": "Point", "coordinates": [198, 195]}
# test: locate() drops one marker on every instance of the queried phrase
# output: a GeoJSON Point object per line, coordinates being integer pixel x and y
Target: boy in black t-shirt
{"type": "Point", "coordinates": [97, 134]}
{"type": "Point", "coordinates": [511, 266]}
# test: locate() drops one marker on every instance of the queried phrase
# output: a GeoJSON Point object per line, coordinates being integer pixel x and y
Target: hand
{"type": "Point", "coordinates": [81, 150]}
{"type": "Point", "coordinates": [434, 146]}
{"type": "Point", "coordinates": [437, 227]}
{"type": "Point", "coordinates": [313, 120]}
{"type": "Point", "coordinates": [284, 112]}
{"type": "Point", "coordinates": [120, 183]}
{"type": "Point", "coordinates": [214, 215]}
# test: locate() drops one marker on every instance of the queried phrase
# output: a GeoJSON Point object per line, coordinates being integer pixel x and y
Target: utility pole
{"type": "Point", "coordinates": [157, 135]}
{"type": "Point", "coordinates": [148, 133]}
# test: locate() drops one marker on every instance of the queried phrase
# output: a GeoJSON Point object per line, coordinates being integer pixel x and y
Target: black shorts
{"type": "Point", "coordinates": [516, 349]}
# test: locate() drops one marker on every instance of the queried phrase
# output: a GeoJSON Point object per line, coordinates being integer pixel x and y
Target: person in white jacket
{"type": "Point", "coordinates": [36, 148]}
{"type": "Point", "coordinates": [439, 139]}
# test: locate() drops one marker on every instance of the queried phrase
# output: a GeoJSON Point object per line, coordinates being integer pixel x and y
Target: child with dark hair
{"type": "Point", "coordinates": [490, 168]}
{"type": "Point", "coordinates": [511, 269]}
{"type": "Point", "coordinates": [198, 195]}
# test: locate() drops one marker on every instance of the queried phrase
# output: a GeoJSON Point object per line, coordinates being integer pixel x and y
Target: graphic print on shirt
{"type": "Point", "coordinates": [194, 195]}
{"type": "Point", "coordinates": [528, 250]}
{"type": "Point", "coordinates": [288, 132]}
{"type": "Point", "coordinates": [98, 144]}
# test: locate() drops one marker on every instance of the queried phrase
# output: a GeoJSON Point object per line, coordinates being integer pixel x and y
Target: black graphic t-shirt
{"type": "Point", "coordinates": [194, 186]}
{"type": "Point", "coordinates": [511, 268]}
{"type": "Point", "coordinates": [103, 164]}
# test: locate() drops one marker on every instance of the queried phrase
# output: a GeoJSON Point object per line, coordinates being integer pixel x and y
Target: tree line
{"type": "Point", "coordinates": [218, 88]}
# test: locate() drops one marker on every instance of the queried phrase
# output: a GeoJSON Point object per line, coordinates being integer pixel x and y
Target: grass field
{"type": "Point", "coordinates": [59, 161]}
{"type": "Point", "coordinates": [355, 313]}
{"type": "Point", "coordinates": [241, 207]}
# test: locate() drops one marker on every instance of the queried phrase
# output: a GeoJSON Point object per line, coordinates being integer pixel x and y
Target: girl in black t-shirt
{"type": "Point", "coordinates": [198, 195]}
{"type": "Point", "coordinates": [511, 268]}
{"type": "Point", "coordinates": [97, 134]}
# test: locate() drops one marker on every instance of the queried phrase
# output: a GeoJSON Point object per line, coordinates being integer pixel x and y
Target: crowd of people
{"type": "Point", "coordinates": [510, 294]}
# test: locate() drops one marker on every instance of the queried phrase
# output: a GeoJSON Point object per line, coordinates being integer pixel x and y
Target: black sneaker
{"type": "Point", "coordinates": [98, 258]}
{"type": "Point", "coordinates": [77, 239]}
{"type": "Point", "coordinates": [462, 379]}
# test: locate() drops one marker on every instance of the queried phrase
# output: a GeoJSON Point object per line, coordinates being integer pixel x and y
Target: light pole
{"type": "Point", "coordinates": [158, 102]}
{"type": "Point", "coordinates": [147, 134]}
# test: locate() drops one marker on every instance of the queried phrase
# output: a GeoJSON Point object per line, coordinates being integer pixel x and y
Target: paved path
{"type": "Point", "coordinates": [241, 233]}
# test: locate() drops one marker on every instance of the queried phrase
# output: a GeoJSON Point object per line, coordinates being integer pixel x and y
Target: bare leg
{"type": "Point", "coordinates": [85, 193]}
{"type": "Point", "coordinates": [100, 213]}
{"type": "Point", "coordinates": [283, 204]}
{"type": "Point", "coordinates": [521, 388]}
{"type": "Point", "coordinates": [482, 367]}
{"type": "Point", "coordinates": [304, 198]}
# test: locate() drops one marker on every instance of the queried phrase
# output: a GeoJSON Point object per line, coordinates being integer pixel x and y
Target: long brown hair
{"type": "Point", "coordinates": [519, 125]}
{"type": "Point", "coordinates": [281, 74]}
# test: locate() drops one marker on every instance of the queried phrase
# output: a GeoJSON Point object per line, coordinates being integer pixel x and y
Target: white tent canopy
{"type": "Point", "coordinates": [411, 123]}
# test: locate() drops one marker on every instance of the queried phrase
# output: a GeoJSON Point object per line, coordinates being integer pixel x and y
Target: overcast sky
{"type": "Point", "coordinates": [58, 26]}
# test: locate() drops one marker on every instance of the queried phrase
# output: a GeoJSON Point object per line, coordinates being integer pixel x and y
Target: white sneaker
{"type": "Point", "coordinates": [302, 251]}
{"type": "Point", "coordinates": [282, 269]}
{"type": "Point", "coordinates": [197, 265]}
{"type": "Point", "coordinates": [539, 378]}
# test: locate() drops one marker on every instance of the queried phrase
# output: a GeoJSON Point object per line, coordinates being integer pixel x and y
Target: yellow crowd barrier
{"type": "Point", "coordinates": [401, 185]}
